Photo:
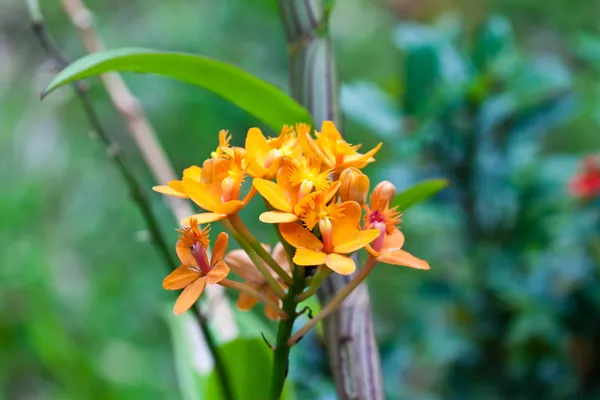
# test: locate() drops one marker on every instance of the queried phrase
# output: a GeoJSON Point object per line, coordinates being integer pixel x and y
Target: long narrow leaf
{"type": "Point", "coordinates": [418, 193]}
{"type": "Point", "coordinates": [261, 99]}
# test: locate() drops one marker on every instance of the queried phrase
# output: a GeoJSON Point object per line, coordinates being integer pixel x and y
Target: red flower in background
{"type": "Point", "coordinates": [586, 184]}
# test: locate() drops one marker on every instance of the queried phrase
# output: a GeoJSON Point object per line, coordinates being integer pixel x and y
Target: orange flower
{"type": "Point", "coordinates": [196, 271]}
{"type": "Point", "coordinates": [335, 152]}
{"type": "Point", "coordinates": [285, 199]}
{"type": "Point", "coordinates": [387, 248]}
{"type": "Point", "coordinates": [242, 265]}
{"type": "Point", "coordinates": [219, 189]}
{"type": "Point", "coordinates": [264, 156]}
{"type": "Point", "coordinates": [338, 238]}
{"type": "Point", "coordinates": [307, 174]}
{"type": "Point", "coordinates": [175, 187]}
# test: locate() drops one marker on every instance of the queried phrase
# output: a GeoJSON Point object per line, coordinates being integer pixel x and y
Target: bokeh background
{"type": "Point", "coordinates": [501, 97]}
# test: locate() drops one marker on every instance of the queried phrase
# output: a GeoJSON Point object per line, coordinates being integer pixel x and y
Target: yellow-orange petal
{"type": "Point", "coordinates": [246, 302]}
{"type": "Point", "coordinates": [309, 257]}
{"type": "Point", "coordinates": [295, 234]}
{"type": "Point", "coordinates": [402, 258]}
{"type": "Point", "coordinates": [257, 146]}
{"type": "Point", "coordinates": [255, 170]}
{"type": "Point", "coordinates": [230, 207]}
{"type": "Point", "coordinates": [392, 242]}
{"type": "Point", "coordinates": [270, 311]}
{"type": "Point", "coordinates": [217, 273]}
{"type": "Point", "coordinates": [202, 218]}
{"type": "Point", "coordinates": [359, 160]}
{"type": "Point", "coordinates": [194, 172]}
{"type": "Point", "coordinates": [201, 194]}
{"type": "Point", "coordinates": [342, 229]}
{"type": "Point", "coordinates": [180, 278]}
{"type": "Point", "coordinates": [331, 191]}
{"type": "Point", "coordinates": [274, 194]}
{"type": "Point", "coordinates": [219, 248]}
{"type": "Point", "coordinates": [182, 248]}
{"type": "Point", "coordinates": [341, 264]}
{"type": "Point", "coordinates": [358, 240]}
{"type": "Point", "coordinates": [250, 195]}
{"type": "Point", "coordinates": [277, 217]}
{"type": "Point", "coordinates": [189, 296]}
{"type": "Point", "coordinates": [169, 191]}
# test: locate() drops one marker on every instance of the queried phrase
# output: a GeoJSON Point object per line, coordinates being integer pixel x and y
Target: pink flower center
{"type": "Point", "coordinates": [201, 256]}
{"type": "Point", "coordinates": [377, 244]}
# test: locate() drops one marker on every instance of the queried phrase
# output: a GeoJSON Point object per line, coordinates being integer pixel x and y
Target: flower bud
{"type": "Point", "coordinates": [354, 186]}
{"type": "Point", "coordinates": [383, 193]}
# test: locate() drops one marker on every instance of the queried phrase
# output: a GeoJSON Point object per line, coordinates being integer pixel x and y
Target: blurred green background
{"type": "Point", "coordinates": [501, 97]}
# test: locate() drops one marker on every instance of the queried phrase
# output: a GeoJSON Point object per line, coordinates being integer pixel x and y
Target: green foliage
{"type": "Point", "coordinates": [418, 193]}
{"type": "Point", "coordinates": [259, 98]}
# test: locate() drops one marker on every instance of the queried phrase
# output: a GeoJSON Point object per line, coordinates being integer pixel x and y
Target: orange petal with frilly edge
{"type": "Point", "coordinates": [402, 258]}
{"type": "Point", "coordinates": [189, 296]}
{"type": "Point", "coordinates": [201, 194]}
{"type": "Point", "coordinates": [343, 229]}
{"type": "Point", "coordinates": [246, 302]}
{"type": "Point", "coordinates": [217, 273]}
{"type": "Point", "coordinates": [203, 218]}
{"type": "Point", "coordinates": [295, 234]}
{"type": "Point", "coordinates": [274, 194]}
{"type": "Point", "coordinates": [392, 242]}
{"type": "Point", "coordinates": [169, 191]}
{"type": "Point", "coordinates": [219, 248]}
{"type": "Point", "coordinates": [180, 278]}
{"type": "Point", "coordinates": [358, 240]}
{"type": "Point", "coordinates": [230, 207]}
{"type": "Point", "coordinates": [309, 257]}
{"type": "Point", "coordinates": [257, 146]}
{"type": "Point", "coordinates": [341, 264]}
{"type": "Point", "coordinates": [277, 217]}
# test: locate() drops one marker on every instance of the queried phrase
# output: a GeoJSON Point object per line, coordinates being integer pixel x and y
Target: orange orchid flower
{"type": "Point", "coordinates": [285, 198]}
{"type": "Point", "coordinates": [175, 187]}
{"type": "Point", "coordinates": [307, 174]}
{"type": "Point", "coordinates": [264, 156]}
{"type": "Point", "coordinates": [242, 265]}
{"type": "Point", "coordinates": [338, 238]}
{"type": "Point", "coordinates": [387, 248]}
{"type": "Point", "coordinates": [219, 189]}
{"type": "Point", "coordinates": [196, 271]}
{"type": "Point", "coordinates": [335, 152]}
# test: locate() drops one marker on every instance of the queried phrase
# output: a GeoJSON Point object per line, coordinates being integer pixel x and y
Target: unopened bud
{"type": "Point", "coordinates": [383, 193]}
{"type": "Point", "coordinates": [354, 186]}
{"type": "Point", "coordinates": [208, 168]}
{"type": "Point", "coordinates": [230, 189]}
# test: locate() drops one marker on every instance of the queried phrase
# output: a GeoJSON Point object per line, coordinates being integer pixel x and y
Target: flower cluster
{"type": "Point", "coordinates": [316, 197]}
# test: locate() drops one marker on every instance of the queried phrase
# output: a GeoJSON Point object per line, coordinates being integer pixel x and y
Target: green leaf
{"type": "Point", "coordinates": [263, 100]}
{"type": "Point", "coordinates": [418, 193]}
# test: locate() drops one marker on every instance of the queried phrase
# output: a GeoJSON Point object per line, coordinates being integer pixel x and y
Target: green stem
{"type": "Point", "coordinates": [241, 228]}
{"type": "Point", "coordinates": [336, 301]}
{"type": "Point", "coordinates": [258, 263]}
{"type": "Point", "coordinates": [282, 348]}
{"type": "Point", "coordinates": [322, 273]}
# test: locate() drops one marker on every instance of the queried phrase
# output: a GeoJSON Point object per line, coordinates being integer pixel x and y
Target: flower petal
{"type": "Point", "coordinates": [309, 257]}
{"type": "Point", "coordinates": [255, 170]}
{"type": "Point", "coordinates": [358, 240]}
{"type": "Point", "coordinates": [270, 311]}
{"type": "Point", "coordinates": [219, 248]}
{"type": "Point", "coordinates": [203, 218]}
{"type": "Point", "coordinates": [169, 191]}
{"type": "Point", "coordinates": [194, 173]}
{"type": "Point", "coordinates": [281, 256]}
{"type": "Point", "coordinates": [189, 296]}
{"type": "Point", "coordinates": [274, 194]}
{"type": "Point", "coordinates": [331, 191]}
{"type": "Point", "coordinates": [295, 234]}
{"type": "Point", "coordinates": [202, 194]}
{"type": "Point", "coordinates": [184, 253]}
{"type": "Point", "coordinates": [277, 217]}
{"type": "Point", "coordinates": [341, 264]}
{"type": "Point", "coordinates": [230, 207]}
{"type": "Point", "coordinates": [246, 302]}
{"type": "Point", "coordinates": [403, 258]}
{"type": "Point", "coordinates": [343, 229]}
{"type": "Point", "coordinates": [180, 278]}
{"type": "Point", "coordinates": [392, 242]}
{"type": "Point", "coordinates": [241, 264]}
{"type": "Point", "coordinates": [217, 273]}
{"type": "Point", "coordinates": [257, 146]}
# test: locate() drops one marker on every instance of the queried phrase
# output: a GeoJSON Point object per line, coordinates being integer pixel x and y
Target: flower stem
{"type": "Point", "coordinates": [322, 273]}
{"type": "Point", "coordinates": [258, 263]}
{"type": "Point", "coordinates": [241, 228]}
{"type": "Point", "coordinates": [336, 301]}
{"type": "Point", "coordinates": [242, 287]}
{"type": "Point", "coordinates": [282, 348]}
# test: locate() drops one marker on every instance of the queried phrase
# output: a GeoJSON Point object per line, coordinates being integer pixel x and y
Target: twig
{"type": "Point", "coordinates": [138, 195]}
